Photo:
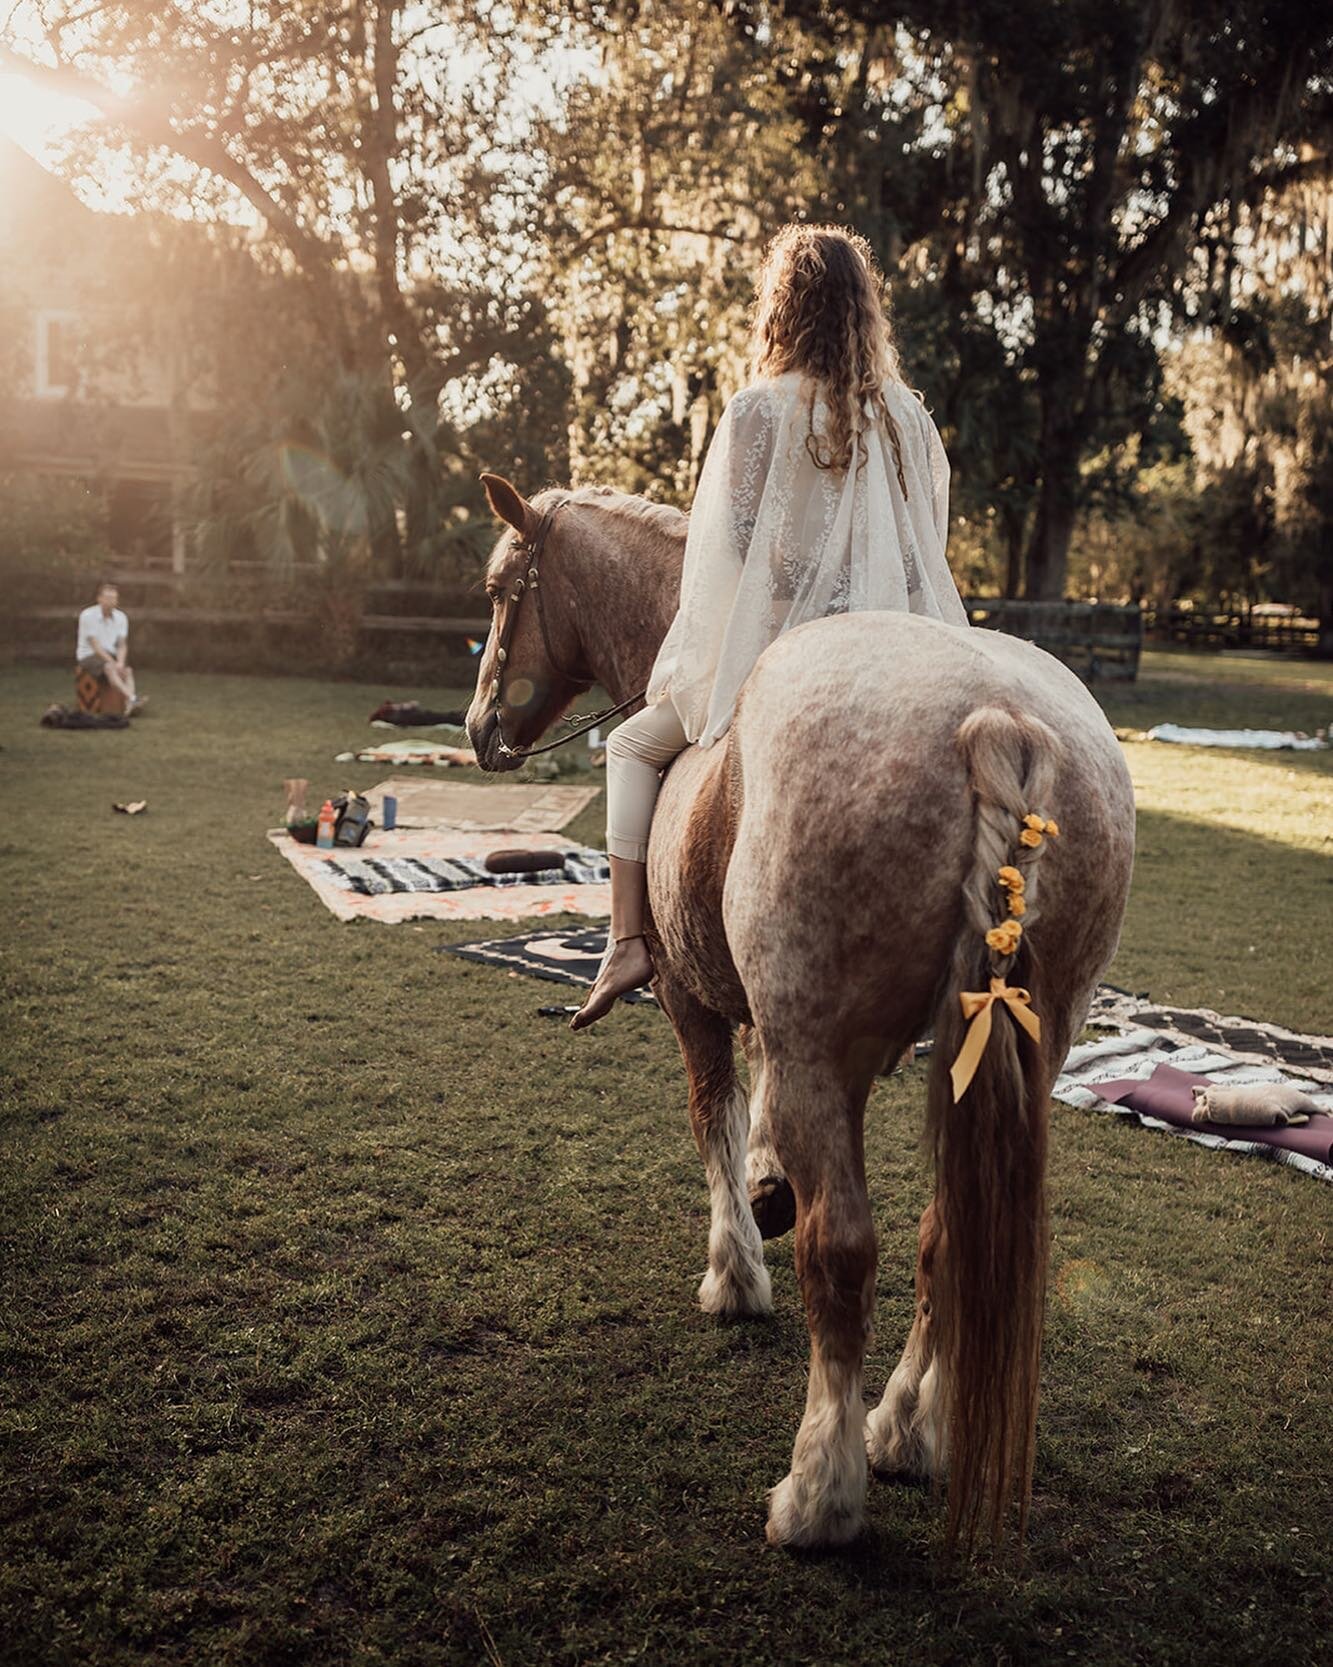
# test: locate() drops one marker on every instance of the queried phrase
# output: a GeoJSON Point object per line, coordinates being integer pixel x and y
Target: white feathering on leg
{"type": "Point", "coordinates": [737, 1282]}
{"type": "Point", "coordinates": [822, 1500]}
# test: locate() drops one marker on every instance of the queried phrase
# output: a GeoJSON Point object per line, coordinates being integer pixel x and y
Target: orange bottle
{"type": "Point", "coordinates": [324, 826]}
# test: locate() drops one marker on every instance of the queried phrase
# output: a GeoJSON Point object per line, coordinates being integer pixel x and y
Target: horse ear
{"type": "Point", "coordinates": [508, 502]}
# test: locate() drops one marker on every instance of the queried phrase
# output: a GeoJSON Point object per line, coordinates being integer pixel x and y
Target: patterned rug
{"type": "Point", "coordinates": [562, 957]}
{"type": "Point", "coordinates": [1248, 1040]}
{"type": "Point", "coordinates": [436, 874]}
{"type": "Point", "coordinates": [1146, 1075]}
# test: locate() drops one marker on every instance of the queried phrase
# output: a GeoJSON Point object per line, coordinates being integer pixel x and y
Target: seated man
{"type": "Point", "coordinates": [103, 645]}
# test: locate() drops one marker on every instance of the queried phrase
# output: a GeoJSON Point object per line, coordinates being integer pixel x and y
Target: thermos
{"type": "Point", "coordinates": [389, 811]}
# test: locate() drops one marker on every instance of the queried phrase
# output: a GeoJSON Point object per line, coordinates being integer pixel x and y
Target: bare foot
{"type": "Point", "coordinates": [627, 967]}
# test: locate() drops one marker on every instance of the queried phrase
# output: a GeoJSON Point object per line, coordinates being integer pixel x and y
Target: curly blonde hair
{"type": "Point", "coordinates": [819, 307]}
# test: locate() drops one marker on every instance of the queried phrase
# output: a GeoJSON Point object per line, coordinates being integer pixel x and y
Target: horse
{"type": "Point", "coordinates": [873, 837]}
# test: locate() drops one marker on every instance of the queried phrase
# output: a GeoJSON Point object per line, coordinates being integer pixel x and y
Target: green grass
{"type": "Point", "coordinates": [348, 1305]}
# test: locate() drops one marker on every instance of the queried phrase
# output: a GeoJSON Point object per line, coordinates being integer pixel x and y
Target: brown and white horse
{"type": "Point", "coordinates": [824, 879]}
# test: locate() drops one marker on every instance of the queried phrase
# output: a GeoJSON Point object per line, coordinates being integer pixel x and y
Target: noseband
{"type": "Point", "coordinates": [530, 581]}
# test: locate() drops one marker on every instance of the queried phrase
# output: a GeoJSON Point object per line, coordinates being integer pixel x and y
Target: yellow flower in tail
{"type": "Point", "coordinates": [1017, 905]}
{"type": "Point", "coordinates": [1053, 829]}
{"type": "Point", "coordinates": [1033, 821]}
{"type": "Point", "coordinates": [1030, 837]}
{"type": "Point", "coordinates": [1004, 938]}
{"type": "Point", "coordinates": [1013, 879]}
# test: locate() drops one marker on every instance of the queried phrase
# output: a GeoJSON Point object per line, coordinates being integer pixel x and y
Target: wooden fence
{"type": "Point", "coordinates": [1101, 641]}
{"type": "Point", "coordinates": [416, 632]}
{"type": "Point", "coordinates": [1199, 628]}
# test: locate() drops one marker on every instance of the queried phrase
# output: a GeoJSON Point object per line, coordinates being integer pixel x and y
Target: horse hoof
{"type": "Point", "coordinates": [794, 1522]}
{"type": "Point", "coordinates": [734, 1295]}
{"type": "Point", "coordinates": [773, 1205]}
{"type": "Point", "coordinates": [898, 1452]}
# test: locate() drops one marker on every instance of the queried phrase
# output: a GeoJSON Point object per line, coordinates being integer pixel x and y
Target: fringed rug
{"type": "Point", "coordinates": [1249, 1040]}
{"type": "Point", "coordinates": [436, 874]}
{"type": "Point", "coordinates": [1148, 1076]}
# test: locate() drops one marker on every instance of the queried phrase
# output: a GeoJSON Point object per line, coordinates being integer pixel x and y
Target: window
{"type": "Point", "coordinates": [58, 344]}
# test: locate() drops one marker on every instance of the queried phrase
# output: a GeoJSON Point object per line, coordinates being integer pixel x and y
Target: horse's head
{"type": "Point", "coordinates": [534, 653]}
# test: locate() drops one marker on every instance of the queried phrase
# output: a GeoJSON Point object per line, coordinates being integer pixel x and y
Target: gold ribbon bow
{"type": "Point", "coordinates": [978, 1007]}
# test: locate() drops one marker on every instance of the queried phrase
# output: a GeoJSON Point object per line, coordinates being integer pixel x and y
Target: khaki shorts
{"type": "Point", "coordinates": [94, 666]}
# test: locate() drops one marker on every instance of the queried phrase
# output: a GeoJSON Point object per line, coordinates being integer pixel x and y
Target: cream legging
{"type": "Point", "coordinates": [636, 755]}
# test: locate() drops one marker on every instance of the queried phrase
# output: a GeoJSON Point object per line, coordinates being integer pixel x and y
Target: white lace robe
{"type": "Point", "coordinates": [774, 541]}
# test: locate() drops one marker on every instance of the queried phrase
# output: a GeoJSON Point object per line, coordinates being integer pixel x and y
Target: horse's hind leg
{"type": "Point", "coordinates": [816, 1115]}
{"type": "Point", "coordinates": [905, 1433]}
{"type": "Point", "coordinates": [771, 1198]}
{"type": "Point", "coordinates": [737, 1281]}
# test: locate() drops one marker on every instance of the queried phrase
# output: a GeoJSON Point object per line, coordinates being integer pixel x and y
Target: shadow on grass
{"type": "Point", "coordinates": [1229, 920]}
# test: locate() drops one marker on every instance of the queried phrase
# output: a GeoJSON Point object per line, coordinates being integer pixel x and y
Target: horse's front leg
{"type": "Point", "coordinates": [905, 1434]}
{"type": "Point", "coordinates": [737, 1283]}
{"type": "Point", "coordinates": [772, 1201]}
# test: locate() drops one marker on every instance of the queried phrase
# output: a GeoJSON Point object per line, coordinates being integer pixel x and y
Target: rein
{"type": "Point", "coordinates": [523, 584]}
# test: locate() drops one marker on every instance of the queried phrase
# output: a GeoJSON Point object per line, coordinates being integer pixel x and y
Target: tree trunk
{"type": "Point", "coordinates": [1062, 441]}
{"type": "Point", "coordinates": [1325, 647]}
{"type": "Point", "coordinates": [1012, 521]}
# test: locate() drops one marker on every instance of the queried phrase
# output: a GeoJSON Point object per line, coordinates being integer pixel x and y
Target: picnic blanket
{"type": "Point", "coordinates": [437, 874]}
{"type": "Point", "coordinates": [562, 957]}
{"type": "Point", "coordinates": [57, 716]}
{"type": "Point", "coordinates": [411, 714]}
{"type": "Point", "coordinates": [409, 752]}
{"type": "Point", "coordinates": [1249, 1041]}
{"type": "Point", "coordinates": [1148, 1076]}
{"type": "Point", "coordinates": [483, 807]}
{"type": "Point", "coordinates": [1266, 740]}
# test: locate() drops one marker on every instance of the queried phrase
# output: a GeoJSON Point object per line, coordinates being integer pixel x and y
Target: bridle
{"type": "Point", "coordinates": [532, 551]}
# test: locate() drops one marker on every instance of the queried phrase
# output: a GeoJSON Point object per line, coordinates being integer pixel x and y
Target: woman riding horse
{"type": "Point", "coordinates": [906, 824]}
{"type": "Point", "coordinates": [825, 491]}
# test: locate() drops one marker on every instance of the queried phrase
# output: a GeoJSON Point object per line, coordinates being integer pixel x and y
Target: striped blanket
{"type": "Point", "coordinates": [439, 874]}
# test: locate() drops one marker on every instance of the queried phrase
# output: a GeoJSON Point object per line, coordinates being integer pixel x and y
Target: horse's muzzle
{"type": "Point", "coordinates": [485, 738]}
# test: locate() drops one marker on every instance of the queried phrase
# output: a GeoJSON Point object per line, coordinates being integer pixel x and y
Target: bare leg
{"type": "Point", "coordinates": [737, 1282]}
{"type": "Point", "coordinates": [627, 963]}
{"type": "Point", "coordinates": [905, 1434]}
{"type": "Point", "coordinates": [121, 680]}
{"type": "Point", "coordinates": [816, 1118]}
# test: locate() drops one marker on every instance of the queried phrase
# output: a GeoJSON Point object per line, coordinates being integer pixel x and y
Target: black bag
{"type": "Point", "coordinates": [353, 824]}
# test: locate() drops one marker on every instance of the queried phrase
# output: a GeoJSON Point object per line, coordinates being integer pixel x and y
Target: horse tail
{"type": "Point", "coordinates": [990, 1144]}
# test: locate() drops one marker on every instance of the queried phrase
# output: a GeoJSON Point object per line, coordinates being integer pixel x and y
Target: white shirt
{"type": "Point", "coordinates": [100, 635]}
{"type": "Point", "coordinates": [774, 541]}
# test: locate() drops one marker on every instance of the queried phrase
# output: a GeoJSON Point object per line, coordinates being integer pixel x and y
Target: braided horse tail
{"type": "Point", "coordinates": [989, 1140]}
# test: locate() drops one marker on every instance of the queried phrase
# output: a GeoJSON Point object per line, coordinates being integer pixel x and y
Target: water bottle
{"type": "Point", "coordinates": [389, 811]}
{"type": "Point", "coordinates": [324, 826]}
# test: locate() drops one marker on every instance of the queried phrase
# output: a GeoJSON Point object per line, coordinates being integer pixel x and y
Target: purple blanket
{"type": "Point", "coordinates": [1168, 1094]}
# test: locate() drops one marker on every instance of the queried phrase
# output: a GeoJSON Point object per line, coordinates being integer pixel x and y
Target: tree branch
{"type": "Point", "coordinates": [311, 253]}
{"type": "Point", "coordinates": [632, 223]}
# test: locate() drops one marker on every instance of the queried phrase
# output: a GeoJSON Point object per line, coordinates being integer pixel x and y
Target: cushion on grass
{"type": "Point", "coordinates": [1168, 1094]}
{"type": "Point", "coordinates": [1253, 1104]}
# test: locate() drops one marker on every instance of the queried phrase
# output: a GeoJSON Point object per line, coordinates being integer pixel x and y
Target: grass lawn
{"type": "Point", "coordinates": [348, 1305]}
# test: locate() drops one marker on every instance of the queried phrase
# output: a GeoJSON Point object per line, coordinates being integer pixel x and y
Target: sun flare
{"type": "Point", "coordinates": [35, 118]}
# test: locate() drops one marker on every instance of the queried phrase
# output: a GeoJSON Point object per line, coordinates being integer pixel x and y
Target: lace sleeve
{"type": "Point", "coordinates": [938, 462]}
{"type": "Point", "coordinates": [749, 454]}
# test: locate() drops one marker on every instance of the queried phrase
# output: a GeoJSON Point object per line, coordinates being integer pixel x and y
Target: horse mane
{"type": "Point", "coordinates": [665, 518]}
